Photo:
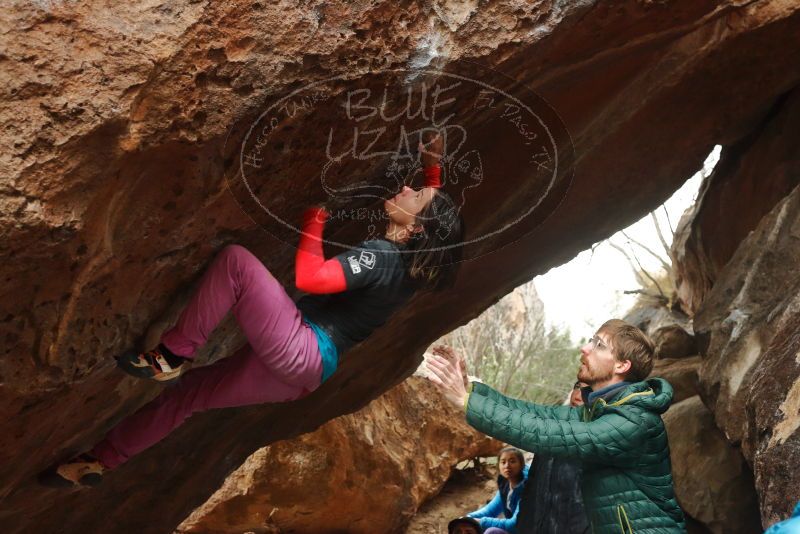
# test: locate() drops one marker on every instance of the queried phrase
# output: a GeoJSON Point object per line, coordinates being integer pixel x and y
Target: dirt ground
{"type": "Point", "coordinates": [467, 490]}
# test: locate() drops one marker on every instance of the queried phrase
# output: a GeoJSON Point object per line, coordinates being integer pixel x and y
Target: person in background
{"type": "Point", "coordinates": [464, 525]}
{"type": "Point", "coordinates": [790, 526]}
{"type": "Point", "coordinates": [552, 502]}
{"type": "Point", "coordinates": [500, 515]}
{"type": "Point", "coordinates": [618, 436]}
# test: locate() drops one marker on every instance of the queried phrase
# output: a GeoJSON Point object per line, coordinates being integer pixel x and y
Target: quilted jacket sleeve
{"type": "Point", "coordinates": [612, 439]}
{"type": "Point", "coordinates": [565, 413]}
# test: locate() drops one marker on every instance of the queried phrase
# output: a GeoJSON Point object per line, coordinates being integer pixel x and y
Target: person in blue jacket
{"type": "Point", "coordinates": [510, 483]}
{"type": "Point", "coordinates": [790, 526]}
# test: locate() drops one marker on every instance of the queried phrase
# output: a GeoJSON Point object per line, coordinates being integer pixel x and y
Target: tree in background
{"type": "Point", "coordinates": [657, 285]}
{"type": "Point", "coordinates": [510, 348]}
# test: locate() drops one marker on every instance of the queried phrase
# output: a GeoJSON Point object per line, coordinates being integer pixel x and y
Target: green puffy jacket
{"type": "Point", "coordinates": [621, 443]}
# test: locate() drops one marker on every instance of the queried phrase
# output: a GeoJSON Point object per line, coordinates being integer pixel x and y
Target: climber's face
{"type": "Point", "coordinates": [404, 207]}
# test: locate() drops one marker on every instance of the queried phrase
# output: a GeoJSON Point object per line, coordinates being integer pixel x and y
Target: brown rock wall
{"type": "Point", "coordinates": [113, 195]}
{"type": "Point", "coordinates": [713, 483]}
{"type": "Point", "coordinates": [734, 254]}
{"type": "Point", "coordinates": [753, 175]}
{"type": "Point", "coordinates": [750, 368]}
{"type": "Point", "coordinates": [360, 473]}
{"type": "Point", "coordinates": [682, 374]}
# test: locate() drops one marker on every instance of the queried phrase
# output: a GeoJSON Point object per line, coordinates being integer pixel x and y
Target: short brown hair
{"type": "Point", "coordinates": [630, 343]}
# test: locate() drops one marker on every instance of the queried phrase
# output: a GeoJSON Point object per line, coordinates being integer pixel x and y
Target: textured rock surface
{"type": "Point", "coordinates": [735, 254]}
{"type": "Point", "coordinates": [747, 310]}
{"type": "Point", "coordinates": [682, 374]}
{"type": "Point", "coordinates": [389, 458]}
{"type": "Point", "coordinates": [713, 483]}
{"type": "Point", "coordinates": [673, 341]}
{"type": "Point", "coordinates": [669, 326]}
{"type": "Point", "coordinates": [113, 198]}
{"type": "Point", "coordinates": [750, 375]}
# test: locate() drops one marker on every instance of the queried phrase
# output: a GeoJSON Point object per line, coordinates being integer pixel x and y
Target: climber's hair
{"type": "Point", "coordinates": [436, 250]}
{"type": "Point", "coordinates": [630, 343]}
{"type": "Point", "coordinates": [515, 451]}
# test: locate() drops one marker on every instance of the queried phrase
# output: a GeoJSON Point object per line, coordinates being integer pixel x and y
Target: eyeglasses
{"type": "Point", "coordinates": [597, 344]}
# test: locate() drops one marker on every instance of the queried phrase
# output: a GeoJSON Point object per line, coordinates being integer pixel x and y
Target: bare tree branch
{"type": "Point", "coordinates": [669, 223]}
{"type": "Point", "coordinates": [624, 252]}
{"type": "Point", "coordinates": [646, 293]}
{"type": "Point", "coordinates": [667, 266]}
{"type": "Point", "coordinates": [640, 271]}
{"type": "Point", "coordinates": [647, 274]}
{"type": "Point", "coordinates": [661, 237]}
{"type": "Point", "coordinates": [594, 247]}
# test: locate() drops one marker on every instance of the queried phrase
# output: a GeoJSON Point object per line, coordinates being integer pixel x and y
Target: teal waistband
{"type": "Point", "coordinates": [330, 356]}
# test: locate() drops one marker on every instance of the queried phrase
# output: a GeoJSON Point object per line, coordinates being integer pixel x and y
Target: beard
{"type": "Point", "coordinates": [592, 376]}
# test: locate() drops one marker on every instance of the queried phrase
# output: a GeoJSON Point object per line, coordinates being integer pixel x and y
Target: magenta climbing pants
{"type": "Point", "coordinates": [280, 362]}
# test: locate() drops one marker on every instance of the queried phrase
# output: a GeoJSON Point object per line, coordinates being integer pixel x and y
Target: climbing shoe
{"type": "Point", "coordinates": [84, 470]}
{"type": "Point", "coordinates": [158, 364]}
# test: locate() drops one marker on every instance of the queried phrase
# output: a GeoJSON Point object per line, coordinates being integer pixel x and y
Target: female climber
{"type": "Point", "coordinates": [291, 348]}
{"type": "Point", "coordinates": [510, 484]}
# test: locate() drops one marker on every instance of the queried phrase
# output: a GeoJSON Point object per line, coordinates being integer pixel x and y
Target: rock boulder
{"type": "Point", "coordinates": [360, 473]}
{"type": "Point", "coordinates": [120, 126]}
{"type": "Point", "coordinates": [713, 483]}
{"type": "Point", "coordinates": [682, 374]}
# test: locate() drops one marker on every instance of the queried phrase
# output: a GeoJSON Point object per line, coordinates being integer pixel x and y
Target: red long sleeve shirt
{"type": "Point", "coordinates": [313, 274]}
